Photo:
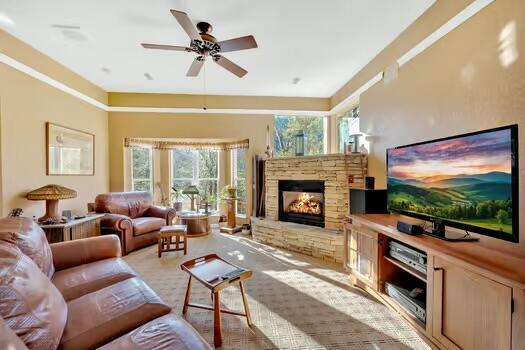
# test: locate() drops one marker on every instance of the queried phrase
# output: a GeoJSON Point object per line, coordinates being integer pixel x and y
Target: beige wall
{"type": "Point", "coordinates": [26, 105]}
{"type": "Point", "coordinates": [165, 125]}
{"type": "Point", "coordinates": [458, 85]}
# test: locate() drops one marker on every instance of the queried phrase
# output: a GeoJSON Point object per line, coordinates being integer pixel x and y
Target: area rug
{"type": "Point", "coordinates": [296, 301]}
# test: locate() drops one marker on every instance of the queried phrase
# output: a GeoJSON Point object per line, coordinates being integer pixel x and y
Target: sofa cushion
{"type": "Point", "coordinates": [147, 224]}
{"type": "Point", "coordinates": [31, 240]}
{"type": "Point", "coordinates": [83, 279]}
{"type": "Point", "coordinates": [102, 316]}
{"type": "Point", "coordinates": [29, 303]}
{"type": "Point", "coordinates": [164, 333]}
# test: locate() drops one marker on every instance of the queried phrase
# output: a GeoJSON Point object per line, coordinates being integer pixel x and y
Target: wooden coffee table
{"type": "Point", "coordinates": [205, 268]}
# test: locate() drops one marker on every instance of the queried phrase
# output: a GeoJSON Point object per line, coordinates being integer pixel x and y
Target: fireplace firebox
{"type": "Point", "coordinates": [302, 202]}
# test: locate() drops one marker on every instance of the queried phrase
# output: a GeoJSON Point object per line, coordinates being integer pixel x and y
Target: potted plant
{"type": "Point", "coordinates": [227, 192]}
{"type": "Point", "coordinates": [176, 198]}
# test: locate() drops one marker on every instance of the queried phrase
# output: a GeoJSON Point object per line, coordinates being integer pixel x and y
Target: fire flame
{"type": "Point", "coordinates": [305, 204]}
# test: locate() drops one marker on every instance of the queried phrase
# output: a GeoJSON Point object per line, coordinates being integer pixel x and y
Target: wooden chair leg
{"type": "Point", "coordinates": [246, 306]}
{"type": "Point", "coordinates": [160, 246]}
{"type": "Point", "coordinates": [177, 242]}
{"type": "Point", "coordinates": [217, 329]}
{"type": "Point", "coordinates": [168, 241]}
{"type": "Point", "coordinates": [185, 244]}
{"type": "Point", "coordinates": [187, 297]}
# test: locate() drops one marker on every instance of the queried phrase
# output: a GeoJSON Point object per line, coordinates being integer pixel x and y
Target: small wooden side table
{"type": "Point", "coordinates": [205, 268]}
{"type": "Point", "coordinates": [85, 227]}
{"type": "Point", "coordinates": [165, 239]}
{"type": "Point", "coordinates": [198, 223]}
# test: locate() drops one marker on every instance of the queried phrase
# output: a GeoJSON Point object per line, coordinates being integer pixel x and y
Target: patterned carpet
{"type": "Point", "coordinates": [297, 302]}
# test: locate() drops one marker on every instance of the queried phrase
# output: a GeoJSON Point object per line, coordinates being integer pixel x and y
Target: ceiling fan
{"type": "Point", "coordinates": [206, 45]}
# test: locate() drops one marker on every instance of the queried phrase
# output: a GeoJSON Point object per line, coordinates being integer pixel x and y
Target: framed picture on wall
{"type": "Point", "coordinates": [69, 151]}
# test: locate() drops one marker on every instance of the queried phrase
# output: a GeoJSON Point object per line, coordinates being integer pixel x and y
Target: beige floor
{"type": "Point", "coordinates": [297, 302]}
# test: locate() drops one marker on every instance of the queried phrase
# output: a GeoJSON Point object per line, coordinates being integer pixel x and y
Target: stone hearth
{"type": "Point", "coordinates": [334, 170]}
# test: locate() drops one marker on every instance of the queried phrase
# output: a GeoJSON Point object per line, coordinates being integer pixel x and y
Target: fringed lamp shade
{"type": "Point", "coordinates": [51, 194]}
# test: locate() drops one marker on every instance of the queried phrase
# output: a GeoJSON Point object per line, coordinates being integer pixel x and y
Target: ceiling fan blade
{"type": "Point", "coordinates": [165, 47]}
{"type": "Point", "coordinates": [230, 66]}
{"type": "Point", "coordinates": [186, 24]}
{"type": "Point", "coordinates": [195, 68]}
{"type": "Point", "coordinates": [242, 43]}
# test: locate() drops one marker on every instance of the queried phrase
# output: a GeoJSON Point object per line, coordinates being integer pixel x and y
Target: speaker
{"type": "Point", "coordinates": [370, 182]}
{"type": "Point", "coordinates": [365, 201]}
{"type": "Point", "coordinates": [409, 228]}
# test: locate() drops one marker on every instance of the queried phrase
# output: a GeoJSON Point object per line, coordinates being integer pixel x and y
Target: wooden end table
{"type": "Point", "coordinates": [88, 226]}
{"type": "Point", "coordinates": [205, 268]}
{"type": "Point", "coordinates": [165, 239]}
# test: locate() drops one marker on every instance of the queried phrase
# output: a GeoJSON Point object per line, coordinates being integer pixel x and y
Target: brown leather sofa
{"type": "Point", "coordinates": [79, 295]}
{"type": "Point", "coordinates": [132, 217]}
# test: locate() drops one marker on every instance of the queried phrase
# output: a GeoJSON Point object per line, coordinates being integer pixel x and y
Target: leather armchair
{"type": "Point", "coordinates": [132, 217]}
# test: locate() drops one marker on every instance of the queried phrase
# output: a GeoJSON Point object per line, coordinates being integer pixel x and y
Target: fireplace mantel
{"type": "Point", "coordinates": [333, 169]}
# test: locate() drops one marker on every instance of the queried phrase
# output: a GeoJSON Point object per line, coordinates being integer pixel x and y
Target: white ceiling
{"type": "Point", "coordinates": [324, 42]}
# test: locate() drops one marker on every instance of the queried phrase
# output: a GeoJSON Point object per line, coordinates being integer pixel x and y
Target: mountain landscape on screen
{"type": "Point", "coordinates": [466, 179]}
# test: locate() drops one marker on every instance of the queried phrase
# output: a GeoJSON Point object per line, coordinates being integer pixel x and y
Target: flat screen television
{"type": "Point", "coordinates": [469, 181]}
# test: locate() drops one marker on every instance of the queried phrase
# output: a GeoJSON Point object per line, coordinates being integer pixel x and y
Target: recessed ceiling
{"type": "Point", "coordinates": [320, 43]}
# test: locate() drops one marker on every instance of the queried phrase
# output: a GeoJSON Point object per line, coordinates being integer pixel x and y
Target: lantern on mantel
{"type": "Point", "coordinates": [299, 143]}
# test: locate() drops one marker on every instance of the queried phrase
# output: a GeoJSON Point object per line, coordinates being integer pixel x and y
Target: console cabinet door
{"type": "Point", "coordinates": [470, 311]}
{"type": "Point", "coordinates": [362, 254]}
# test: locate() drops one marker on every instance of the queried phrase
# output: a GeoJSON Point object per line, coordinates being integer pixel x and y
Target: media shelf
{"type": "Point", "coordinates": [407, 268]}
{"type": "Point", "coordinates": [482, 281]}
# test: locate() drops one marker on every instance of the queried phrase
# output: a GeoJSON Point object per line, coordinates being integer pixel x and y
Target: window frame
{"type": "Point", "coordinates": [151, 179]}
{"type": "Point", "coordinates": [353, 113]}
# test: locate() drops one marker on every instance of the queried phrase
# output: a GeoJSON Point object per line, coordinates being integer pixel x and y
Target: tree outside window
{"type": "Point", "coordinates": [142, 169]}
{"type": "Point", "coordinates": [199, 168]}
{"type": "Point", "coordinates": [286, 127]}
{"type": "Point", "coordinates": [347, 125]}
{"type": "Point", "coordinates": [239, 178]}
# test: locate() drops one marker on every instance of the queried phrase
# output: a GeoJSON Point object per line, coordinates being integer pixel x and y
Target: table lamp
{"type": "Point", "coordinates": [51, 194]}
{"type": "Point", "coordinates": [191, 191]}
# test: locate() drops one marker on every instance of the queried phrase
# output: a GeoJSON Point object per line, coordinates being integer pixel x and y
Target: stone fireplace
{"type": "Point", "coordinates": [307, 201]}
{"type": "Point", "coordinates": [302, 202]}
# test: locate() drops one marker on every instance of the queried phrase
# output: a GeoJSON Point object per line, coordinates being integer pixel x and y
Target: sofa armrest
{"type": "Point", "coordinates": [116, 222]}
{"type": "Point", "coordinates": [84, 251]}
{"type": "Point", "coordinates": [164, 213]}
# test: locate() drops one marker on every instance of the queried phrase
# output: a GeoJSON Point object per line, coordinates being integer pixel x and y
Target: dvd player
{"type": "Point", "coordinates": [415, 306]}
{"type": "Point", "coordinates": [409, 256]}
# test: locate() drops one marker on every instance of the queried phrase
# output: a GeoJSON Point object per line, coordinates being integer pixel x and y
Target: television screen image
{"type": "Point", "coordinates": [468, 181]}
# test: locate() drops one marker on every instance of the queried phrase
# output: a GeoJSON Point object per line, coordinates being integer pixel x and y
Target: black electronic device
{"type": "Point", "coordinates": [408, 228]}
{"type": "Point", "coordinates": [370, 183]}
{"type": "Point", "coordinates": [416, 306]}
{"type": "Point", "coordinates": [408, 255]}
{"type": "Point", "coordinates": [365, 201]}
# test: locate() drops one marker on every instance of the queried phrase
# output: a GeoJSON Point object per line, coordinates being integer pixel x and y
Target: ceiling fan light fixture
{"type": "Point", "coordinates": [204, 44]}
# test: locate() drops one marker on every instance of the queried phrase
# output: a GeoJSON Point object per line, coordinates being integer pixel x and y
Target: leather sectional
{"type": "Point", "coordinates": [79, 295]}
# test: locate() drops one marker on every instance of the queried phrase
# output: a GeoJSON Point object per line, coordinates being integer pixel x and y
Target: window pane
{"type": "Point", "coordinates": [180, 185]}
{"type": "Point", "coordinates": [208, 164]}
{"type": "Point", "coordinates": [241, 194]}
{"type": "Point", "coordinates": [142, 185]}
{"type": "Point", "coordinates": [141, 163]}
{"type": "Point", "coordinates": [182, 162]}
{"type": "Point", "coordinates": [240, 165]}
{"type": "Point", "coordinates": [348, 125]}
{"type": "Point", "coordinates": [286, 127]}
{"type": "Point", "coordinates": [208, 190]}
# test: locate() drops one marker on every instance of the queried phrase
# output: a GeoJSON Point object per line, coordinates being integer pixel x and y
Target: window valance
{"type": "Point", "coordinates": [188, 145]}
